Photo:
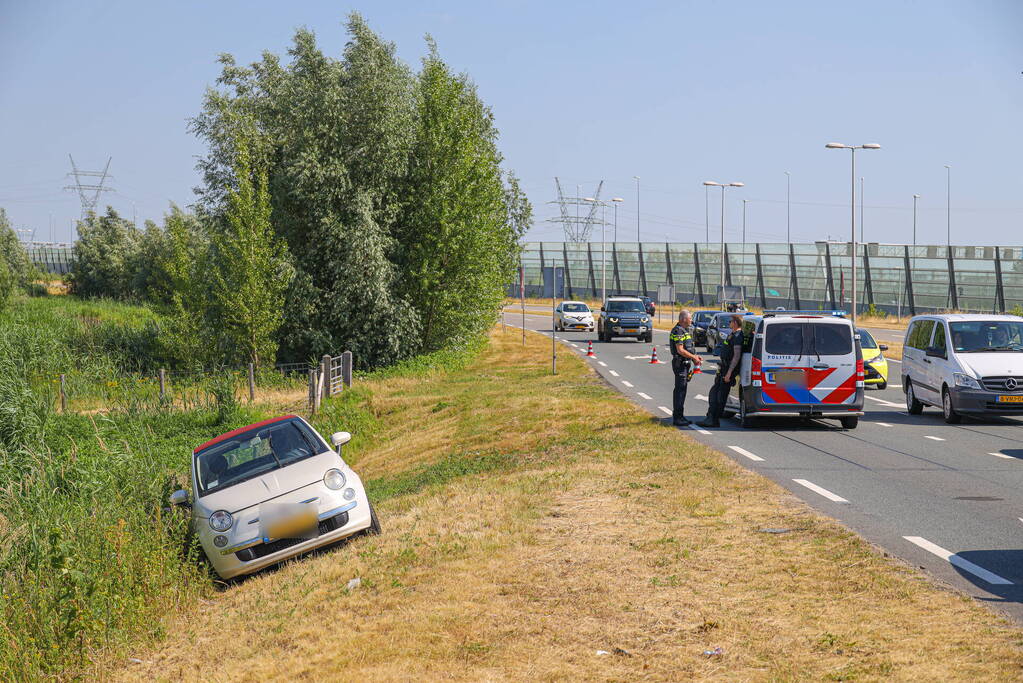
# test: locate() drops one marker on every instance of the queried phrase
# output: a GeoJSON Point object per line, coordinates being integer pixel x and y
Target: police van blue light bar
{"type": "Point", "coordinates": [835, 313]}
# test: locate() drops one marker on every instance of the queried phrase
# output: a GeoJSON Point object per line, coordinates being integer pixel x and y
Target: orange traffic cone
{"type": "Point", "coordinates": [653, 357]}
{"type": "Point", "coordinates": [589, 349]}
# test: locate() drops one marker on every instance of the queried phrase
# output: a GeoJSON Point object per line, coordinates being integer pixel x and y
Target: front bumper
{"type": "Point", "coordinates": [875, 373]}
{"type": "Point", "coordinates": [626, 330]}
{"type": "Point", "coordinates": [246, 552]}
{"type": "Point", "coordinates": [983, 402]}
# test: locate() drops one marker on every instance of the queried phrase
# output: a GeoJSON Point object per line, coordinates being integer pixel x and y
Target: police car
{"type": "Point", "coordinates": [805, 364]}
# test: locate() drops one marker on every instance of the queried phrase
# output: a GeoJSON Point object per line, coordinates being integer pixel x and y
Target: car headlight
{"type": "Point", "coordinates": [644, 319]}
{"type": "Point", "coordinates": [966, 381]}
{"type": "Point", "coordinates": [612, 320]}
{"type": "Point", "coordinates": [221, 520]}
{"type": "Point", "coordinates": [334, 479]}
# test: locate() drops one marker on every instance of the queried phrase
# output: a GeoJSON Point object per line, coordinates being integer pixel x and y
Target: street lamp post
{"type": "Point", "coordinates": [616, 201]}
{"type": "Point", "coordinates": [915, 197]}
{"type": "Point", "coordinates": [852, 206]}
{"type": "Point", "coordinates": [788, 207]}
{"type": "Point", "coordinates": [706, 209]}
{"type": "Point", "coordinates": [723, 186]}
{"type": "Point", "coordinates": [603, 241]}
{"type": "Point", "coordinates": [948, 205]}
{"type": "Point", "coordinates": [744, 226]}
{"type": "Point", "coordinates": [637, 210]}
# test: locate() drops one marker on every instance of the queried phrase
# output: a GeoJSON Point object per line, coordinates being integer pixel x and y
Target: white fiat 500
{"type": "Point", "coordinates": [270, 491]}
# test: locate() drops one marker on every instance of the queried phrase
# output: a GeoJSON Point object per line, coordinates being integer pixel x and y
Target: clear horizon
{"type": "Point", "coordinates": [674, 93]}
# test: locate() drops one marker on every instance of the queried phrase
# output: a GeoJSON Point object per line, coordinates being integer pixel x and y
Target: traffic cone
{"type": "Point", "coordinates": [589, 349]}
{"type": "Point", "coordinates": [653, 357]}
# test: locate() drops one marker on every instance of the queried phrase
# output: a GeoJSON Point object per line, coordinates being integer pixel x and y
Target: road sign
{"type": "Point", "coordinates": [665, 294]}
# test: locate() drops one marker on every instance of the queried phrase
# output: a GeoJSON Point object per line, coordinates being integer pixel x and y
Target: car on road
{"type": "Point", "coordinates": [624, 316]}
{"type": "Point", "coordinates": [964, 364]}
{"type": "Point", "coordinates": [701, 321]}
{"type": "Point", "coordinates": [573, 315]}
{"type": "Point", "coordinates": [270, 491]}
{"type": "Point", "coordinates": [718, 330]}
{"type": "Point", "coordinates": [875, 365]}
{"type": "Point", "coordinates": [800, 364]}
{"type": "Point", "coordinates": [649, 305]}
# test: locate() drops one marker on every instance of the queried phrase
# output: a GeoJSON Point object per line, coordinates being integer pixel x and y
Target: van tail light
{"type": "Point", "coordinates": [859, 373]}
{"type": "Point", "coordinates": [756, 372]}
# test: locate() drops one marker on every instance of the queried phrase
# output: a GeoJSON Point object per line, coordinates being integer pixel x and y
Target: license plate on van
{"type": "Point", "coordinates": [790, 377]}
{"type": "Point", "coordinates": [1010, 399]}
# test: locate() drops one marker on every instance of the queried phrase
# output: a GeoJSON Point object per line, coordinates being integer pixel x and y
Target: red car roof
{"type": "Point", "coordinates": [236, 432]}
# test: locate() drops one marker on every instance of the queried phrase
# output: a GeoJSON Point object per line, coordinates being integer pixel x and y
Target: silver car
{"type": "Point", "coordinates": [270, 491]}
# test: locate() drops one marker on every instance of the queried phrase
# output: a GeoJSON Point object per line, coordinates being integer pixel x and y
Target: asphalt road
{"type": "Point", "coordinates": [946, 498]}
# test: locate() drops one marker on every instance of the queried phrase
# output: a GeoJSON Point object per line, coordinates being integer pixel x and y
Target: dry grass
{"type": "Point", "coordinates": [601, 529]}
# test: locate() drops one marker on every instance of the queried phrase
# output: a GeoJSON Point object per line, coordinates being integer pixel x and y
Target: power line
{"type": "Point", "coordinates": [89, 202]}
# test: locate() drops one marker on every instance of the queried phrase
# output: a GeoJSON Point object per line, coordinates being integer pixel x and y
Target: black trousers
{"type": "Point", "coordinates": [678, 395]}
{"type": "Point", "coordinates": [718, 398]}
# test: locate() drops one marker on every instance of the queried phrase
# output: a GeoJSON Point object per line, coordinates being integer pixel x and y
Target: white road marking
{"type": "Point", "coordinates": [601, 363]}
{"type": "Point", "coordinates": [574, 344]}
{"type": "Point", "coordinates": [701, 397]}
{"type": "Point", "coordinates": [613, 373]}
{"type": "Point", "coordinates": [702, 431]}
{"type": "Point", "coordinates": [822, 491]}
{"type": "Point", "coordinates": [626, 384]}
{"type": "Point", "coordinates": [666, 411]}
{"type": "Point", "coordinates": [1002, 455]}
{"type": "Point", "coordinates": [894, 386]}
{"type": "Point", "coordinates": [934, 438]}
{"type": "Point", "coordinates": [744, 452]}
{"type": "Point", "coordinates": [892, 360]}
{"type": "Point", "coordinates": [889, 404]}
{"type": "Point", "coordinates": [642, 395]}
{"type": "Point", "coordinates": [883, 424]}
{"type": "Point", "coordinates": [957, 561]}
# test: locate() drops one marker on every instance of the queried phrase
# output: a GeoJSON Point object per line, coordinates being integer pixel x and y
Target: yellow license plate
{"type": "Point", "coordinates": [1010, 399]}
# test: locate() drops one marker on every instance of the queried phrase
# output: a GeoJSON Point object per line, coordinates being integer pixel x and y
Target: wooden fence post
{"type": "Point", "coordinates": [252, 382]}
{"type": "Point", "coordinates": [325, 373]}
{"type": "Point", "coordinates": [163, 383]}
{"type": "Point", "coordinates": [346, 369]}
{"type": "Point", "coordinates": [312, 391]}
{"type": "Point", "coordinates": [63, 393]}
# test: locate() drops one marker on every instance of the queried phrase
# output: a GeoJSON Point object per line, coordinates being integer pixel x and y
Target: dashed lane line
{"type": "Point", "coordinates": [642, 395]}
{"type": "Point", "coordinates": [933, 438]}
{"type": "Point", "coordinates": [666, 411]}
{"type": "Point", "coordinates": [834, 497]}
{"type": "Point", "coordinates": [601, 363]}
{"type": "Point", "coordinates": [884, 402]}
{"type": "Point", "coordinates": [701, 397]}
{"type": "Point", "coordinates": [743, 452]}
{"type": "Point", "coordinates": [883, 424]}
{"type": "Point", "coordinates": [701, 431]}
{"type": "Point", "coordinates": [613, 373]}
{"type": "Point", "coordinates": [957, 561]}
{"type": "Point", "coordinates": [1002, 455]}
{"type": "Point", "coordinates": [627, 384]}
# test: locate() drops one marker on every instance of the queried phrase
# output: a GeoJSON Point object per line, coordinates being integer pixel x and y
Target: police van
{"type": "Point", "coordinates": [805, 364]}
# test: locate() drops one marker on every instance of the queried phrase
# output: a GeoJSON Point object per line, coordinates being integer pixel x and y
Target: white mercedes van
{"type": "Point", "coordinates": [964, 364]}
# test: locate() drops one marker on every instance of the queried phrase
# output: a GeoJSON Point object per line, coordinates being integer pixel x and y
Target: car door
{"type": "Point", "coordinates": [922, 377]}
{"type": "Point", "coordinates": [937, 368]}
{"type": "Point", "coordinates": [831, 377]}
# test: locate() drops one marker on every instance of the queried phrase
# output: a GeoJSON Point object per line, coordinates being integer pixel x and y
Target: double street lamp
{"type": "Point", "coordinates": [852, 206]}
{"type": "Point", "coordinates": [723, 186]}
{"type": "Point", "coordinates": [603, 242]}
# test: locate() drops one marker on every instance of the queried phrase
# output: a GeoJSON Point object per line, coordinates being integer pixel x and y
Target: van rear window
{"type": "Point", "coordinates": [831, 340]}
{"type": "Point", "coordinates": [784, 339]}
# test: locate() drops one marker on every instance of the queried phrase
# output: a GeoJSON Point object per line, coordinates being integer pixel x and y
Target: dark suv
{"type": "Point", "coordinates": [701, 321]}
{"type": "Point", "coordinates": [624, 316]}
{"type": "Point", "coordinates": [648, 304]}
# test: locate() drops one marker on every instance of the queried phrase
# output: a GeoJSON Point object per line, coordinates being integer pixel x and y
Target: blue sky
{"type": "Point", "coordinates": [674, 92]}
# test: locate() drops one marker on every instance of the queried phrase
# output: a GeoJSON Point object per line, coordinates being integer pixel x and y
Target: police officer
{"type": "Point", "coordinates": [731, 354]}
{"type": "Point", "coordinates": [683, 356]}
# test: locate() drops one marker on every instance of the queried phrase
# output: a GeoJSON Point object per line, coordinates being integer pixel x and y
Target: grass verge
{"type": "Point", "coordinates": [532, 522]}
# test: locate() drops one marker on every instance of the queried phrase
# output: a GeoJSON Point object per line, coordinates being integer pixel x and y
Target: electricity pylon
{"type": "Point", "coordinates": [89, 202]}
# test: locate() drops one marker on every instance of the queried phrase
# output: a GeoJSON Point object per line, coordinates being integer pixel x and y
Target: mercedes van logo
{"type": "Point", "coordinates": [1011, 384]}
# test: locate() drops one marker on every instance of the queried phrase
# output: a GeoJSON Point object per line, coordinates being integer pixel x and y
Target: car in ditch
{"type": "Point", "coordinates": [270, 491]}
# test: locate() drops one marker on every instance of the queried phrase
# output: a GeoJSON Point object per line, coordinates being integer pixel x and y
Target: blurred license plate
{"type": "Point", "coordinates": [790, 377]}
{"type": "Point", "coordinates": [631, 329]}
{"type": "Point", "coordinates": [579, 326]}
{"type": "Point", "coordinates": [1010, 399]}
{"type": "Point", "coordinates": [287, 520]}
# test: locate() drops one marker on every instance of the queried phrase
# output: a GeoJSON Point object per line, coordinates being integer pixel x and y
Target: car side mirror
{"type": "Point", "coordinates": [882, 347]}
{"type": "Point", "coordinates": [339, 439]}
{"type": "Point", "coordinates": [935, 352]}
{"type": "Point", "coordinates": [180, 498]}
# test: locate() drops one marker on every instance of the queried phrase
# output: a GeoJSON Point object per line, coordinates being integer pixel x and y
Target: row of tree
{"type": "Point", "coordinates": [347, 203]}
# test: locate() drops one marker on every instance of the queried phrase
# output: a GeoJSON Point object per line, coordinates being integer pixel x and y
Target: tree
{"type": "Point", "coordinates": [17, 269]}
{"type": "Point", "coordinates": [459, 232]}
{"type": "Point", "coordinates": [106, 257]}
{"type": "Point", "coordinates": [251, 270]}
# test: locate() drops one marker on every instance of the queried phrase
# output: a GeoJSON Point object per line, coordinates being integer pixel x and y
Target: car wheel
{"type": "Point", "coordinates": [948, 412]}
{"type": "Point", "coordinates": [374, 525]}
{"type": "Point", "coordinates": [913, 406]}
{"type": "Point", "coordinates": [851, 421]}
{"type": "Point", "coordinates": [882, 385]}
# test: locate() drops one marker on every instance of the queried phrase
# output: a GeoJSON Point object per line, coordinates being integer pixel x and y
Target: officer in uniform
{"type": "Point", "coordinates": [683, 356]}
{"type": "Point", "coordinates": [728, 364]}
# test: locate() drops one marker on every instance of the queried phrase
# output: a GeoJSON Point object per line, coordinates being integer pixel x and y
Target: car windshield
{"type": "Point", "coordinates": [252, 453]}
{"type": "Point", "coordinates": [625, 307]}
{"type": "Point", "coordinates": [575, 308]}
{"type": "Point", "coordinates": [866, 340]}
{"type": "Point", "coordinates": [987, 335]}
{"type": "Point", "coordinates": [702, 317]}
